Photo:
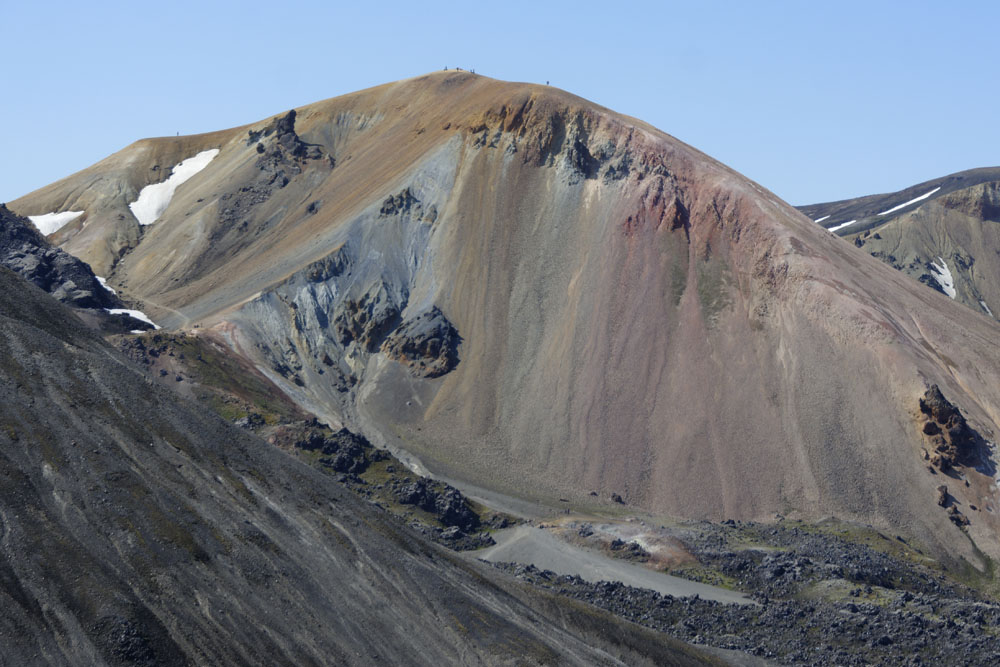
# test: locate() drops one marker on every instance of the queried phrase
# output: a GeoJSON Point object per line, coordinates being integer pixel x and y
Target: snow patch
{"type": "Point", "coordinates": [137, 314]}
{"type": "Point", "coordinates": [821, 219]}
{"type": "Point", "coordinates": [944, 277]}
{"type": "Point", "coordinates": [50, 223]}
{"type": "Point", "coordinates": [104, 284]}
{"type": "Point", "coordinates": [986, 308]}
{"type": "Point", "coordinates": [154, 199]}
{"type": "Point", "coordinates": [841, 226]}
{"type": "Point", "coordinates": [912, 201]}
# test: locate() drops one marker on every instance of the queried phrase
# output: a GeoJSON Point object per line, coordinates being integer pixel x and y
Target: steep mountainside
{"type": "Point", "coordinates": [949, 238]}
{"type": "Point", "coordinates": [136, 528]}
{"type": "Point", "coordinates": [535, 294]}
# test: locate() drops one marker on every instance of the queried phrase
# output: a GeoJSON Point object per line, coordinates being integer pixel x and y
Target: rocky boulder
{"type": "Point", "coordinates": [442, 500]}
{"type": "Point", "coordinates": [952, 440]}
{"type": "Point", "coordinates": [426, 344]}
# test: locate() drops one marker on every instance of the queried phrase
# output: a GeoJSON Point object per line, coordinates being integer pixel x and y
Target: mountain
{"type": "Point", "coordinates": [136, 528]}
{"type": "Point", "coordinates": [529, 293]}
{"type": "Point", "coordinates": [944, 233]}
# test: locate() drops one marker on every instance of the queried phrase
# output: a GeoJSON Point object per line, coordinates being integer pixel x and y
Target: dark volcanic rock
{"type": "Point", "coordinates": [904, 615]}
{"type": "Point", "coordinates": [427, 344]}
{"type": "Point", "coordinates": [25, 251]}
{"type": "Point", "coordinates": [405, 203]}
{"type": "Point", "coordinates": [282, 156]}
{"type": "Point", "coordinates": [401, 203]}
{"type": "Point", "coordinates": [442, 500]}
{"type": "Point", "coordinates": [366, 320]}
{"type": "Point", "coordinates": [286, 147]}
{"type": "Point", "coordinates": [351, 457]}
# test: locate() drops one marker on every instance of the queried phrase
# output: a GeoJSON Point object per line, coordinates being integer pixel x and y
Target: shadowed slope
{"type": "Point", "coordinates": [630, 316]}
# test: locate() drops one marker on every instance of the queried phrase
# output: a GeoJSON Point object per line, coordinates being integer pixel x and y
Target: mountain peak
{"type": "Point", "coordinates": [525, 291]}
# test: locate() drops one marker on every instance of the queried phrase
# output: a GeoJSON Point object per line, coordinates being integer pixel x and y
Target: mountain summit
{"type": "Point", "coordinates": [531, 293]}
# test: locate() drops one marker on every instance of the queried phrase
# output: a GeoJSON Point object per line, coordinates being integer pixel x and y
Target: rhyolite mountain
{"type": "Point", "coordinates": [137, 528]}
{"type": "Point", "coordinates": [948, 238]}
{"type": "Point", "coordinates": [534, 294]}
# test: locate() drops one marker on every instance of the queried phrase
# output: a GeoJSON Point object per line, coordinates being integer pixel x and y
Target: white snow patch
{"type": "Point", "coordinates": [944, 277]}
{"type": "Point", "coordinates": [912, 201]}
{"type": "Point", "coordinates": [154, 199]}
{"type": "Point", "coordinates": [821, 219]}
{"type": "Point", "coordinates": [986, 308]}
{"type": "Point", "coordinates": [841, 226]}
{"type": "Point", "coordinates": [137, 314]}
{"type": "Point", "coordinates": [104, 284]}
{"type": "Point", "coordinates": [50, 223]}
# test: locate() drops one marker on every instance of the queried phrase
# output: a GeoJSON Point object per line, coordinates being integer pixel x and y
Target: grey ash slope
{"type": "Point", "coordinates": [957, 226]}
{"type": "Point", "coordinates": [136, 528]}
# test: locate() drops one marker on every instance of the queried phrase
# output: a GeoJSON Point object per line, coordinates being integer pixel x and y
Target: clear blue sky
{"type": "Point", "coordinates": [816, 101]}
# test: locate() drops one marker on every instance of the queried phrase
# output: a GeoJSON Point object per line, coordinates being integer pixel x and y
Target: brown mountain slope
{"type": "Point", "coordinates": [949, 241]}
{"type": "Point", "coordinates": [538, 295]}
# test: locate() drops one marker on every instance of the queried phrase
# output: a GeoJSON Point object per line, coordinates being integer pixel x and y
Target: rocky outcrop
{"type": "Point", "coordinates": [282, 156]}
{"type": "Point", "coordinates": [426, 344]}
{"type": "Point", "coordinates": [367, 320]}
{"type": "Point", "coordinates": [26, 252]}
{"type": "Point", "coordinates": [547, 136]}
{"type": "Point", "coordinates": [442, 500]}
{"type": "Point", "coordinates": [285, 147]}
{"type": "Point", "coordinates": [406, 203]}
{"type": "Point", "coordinates": [952, 441]}
{"type": "Point", "coordinates": [957, 517]}
{"type": "Point", "coordinates": [374, 474]}
{"type": "Point", "coordinates": [347, 452]}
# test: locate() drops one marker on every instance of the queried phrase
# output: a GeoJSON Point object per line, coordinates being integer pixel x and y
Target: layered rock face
{"type": "Point", "coordinates": [532, 293]}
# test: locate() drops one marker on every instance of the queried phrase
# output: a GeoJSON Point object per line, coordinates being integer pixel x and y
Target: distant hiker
{"type": "Point", "coordinates": [546, 83]}
{"type": "Point", "coordinates": [446, 68]}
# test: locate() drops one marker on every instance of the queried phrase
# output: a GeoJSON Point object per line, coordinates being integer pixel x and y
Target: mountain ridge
{"type": "Point", "coordinates": [635, 318]}
{"type": "Point", "coordinates": [947, 240]}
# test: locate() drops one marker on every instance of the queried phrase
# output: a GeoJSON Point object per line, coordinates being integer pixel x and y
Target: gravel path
{"type": "Point", "coordinates": [529, 545]}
